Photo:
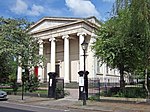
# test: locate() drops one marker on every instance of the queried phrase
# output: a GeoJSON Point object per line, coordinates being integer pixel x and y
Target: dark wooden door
{"type": "Point", "coordinates": [57, 69]}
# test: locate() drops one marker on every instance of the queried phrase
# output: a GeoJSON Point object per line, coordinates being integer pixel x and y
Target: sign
{"type": "Point", "coordinates": [81, 89]}
{"type": "Point", "coordinates": [50, 82]}
{"type": "Point", "coordinates": [81, 81]}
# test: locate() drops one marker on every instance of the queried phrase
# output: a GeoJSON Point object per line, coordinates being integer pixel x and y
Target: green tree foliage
{"type": "Point", "coordinates": [16, 42]}
{"type": "Point", "coordinates": [140, 32]}
{"type": "Point", "coordinates": [123, 40]}
{"type": "Point", "coordinates": [7, 67]}
{"type": "Point", "coordinates": [111, 45]}
{"type": "Point", "coordinates": [32, 83]}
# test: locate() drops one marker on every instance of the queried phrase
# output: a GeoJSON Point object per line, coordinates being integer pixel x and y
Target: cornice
{"type": "Point", "coordinates": [53, 18]}
{"type": "Point", "coordinates": [69, 24]}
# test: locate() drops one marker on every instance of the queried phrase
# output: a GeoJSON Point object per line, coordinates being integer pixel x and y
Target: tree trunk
{"type": "Point", "coordinates": [146, 84]}
{"type": "Point", "coordinates": [122, 82]}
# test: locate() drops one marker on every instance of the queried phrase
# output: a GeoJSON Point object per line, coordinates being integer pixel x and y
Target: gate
{"type": "Point", "coordinates": [94, 89]}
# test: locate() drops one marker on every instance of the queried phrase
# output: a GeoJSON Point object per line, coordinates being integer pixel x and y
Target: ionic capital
{"type": "Point", "coordinates": [65, 37]}
{"type": "Point", "coordinates": [93, 35]}
{"type": "Point", "coordinates": [40, 41]}
{"type": "Point", "coordinates": [81, 34]}
{"type": "Point", "coordinates": [52, 39]}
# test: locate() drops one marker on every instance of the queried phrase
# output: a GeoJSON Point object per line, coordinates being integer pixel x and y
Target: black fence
{"type": "Point", "coordinates": [112, 89]}
{"type": "Point", "coordinates": [94, 89]}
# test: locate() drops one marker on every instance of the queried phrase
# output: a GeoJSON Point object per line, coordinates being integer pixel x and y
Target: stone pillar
{"type": "Point", "coordinates": [40, 67]}
{"type": "Point", "coordinates": [53, 54]}
{"type": "Point", "coordinates": [19, 71]}
{"type": "Point", "coordinates": [48, 70]}
{"type": "Point", "coordinates": [91, 59]}
{"type": "Point", "coordinates": [66, 58]}
{"type": "Point", "coordinates": [81, 57]}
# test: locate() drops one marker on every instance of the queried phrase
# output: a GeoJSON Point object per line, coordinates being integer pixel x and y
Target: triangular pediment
{"type": "Point", "coordinates": [50, 23]}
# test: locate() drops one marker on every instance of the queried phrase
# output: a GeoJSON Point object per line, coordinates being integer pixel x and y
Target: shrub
{"type": "Point", "coordinates": [128, 92]}
{"type": "Point", "coordinates": [32, 84]}
{"type": "Point", "coordinates": [94, 97]}
{"type": "Point", "coordinates": [59, 91]}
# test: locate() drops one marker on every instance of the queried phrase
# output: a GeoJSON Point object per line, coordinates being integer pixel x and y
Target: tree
{"type": "Point", "coordinates": [111, 45]}
{"type": "Point", "coordinates": [139, 34]}
{"type": "Point", "coordinates": [7, 67]}
{"type": "Point", "coordinates": [17, 42]}
{"type": "Point", "coordinates": [140, 30]}
{"type": "Point", "coordinates": [119, 44]}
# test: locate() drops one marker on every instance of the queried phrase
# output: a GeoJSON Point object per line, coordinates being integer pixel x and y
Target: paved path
{"type": "Point", "coordinates": [73, 94]}
{"type": "Point", "coordinates": [71, 102]}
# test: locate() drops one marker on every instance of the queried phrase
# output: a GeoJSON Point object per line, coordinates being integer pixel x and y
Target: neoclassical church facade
{"type": "Point", "coordinates": [60, 40]}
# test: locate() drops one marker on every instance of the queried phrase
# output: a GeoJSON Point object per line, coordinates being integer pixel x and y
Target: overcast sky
{"type": "Point", "coordinates": [33, 10]}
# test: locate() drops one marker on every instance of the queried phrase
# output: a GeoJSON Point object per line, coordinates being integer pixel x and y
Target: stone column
{"type": "Point", "coordinates": [40, 67]}
{"type": "Point", "coordinates": [19, 71]}
{"type": "Point", "coordinates": [81, 58]}
{"type": "Point", "coordinates": [53, 53]}
{"type": "Point", "coordinates": [66, 58]}
{"type": "Point", "coordinates": [91, 59]}
{"type": "Point", "coordinates": [48, 70]}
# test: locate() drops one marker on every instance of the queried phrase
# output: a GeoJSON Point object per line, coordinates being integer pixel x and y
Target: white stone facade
{"type": "Point", "coordinates": [60, 43]}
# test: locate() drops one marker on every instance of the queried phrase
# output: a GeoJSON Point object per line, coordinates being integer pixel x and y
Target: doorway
{"type": "Point", "coordinates": [57, 70]}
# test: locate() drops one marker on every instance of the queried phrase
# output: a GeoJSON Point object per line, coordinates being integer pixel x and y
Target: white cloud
{"type": "Point", "coordinates": [22, 8]}
{"type": "Point", "coordinates": [82, 8]}
{"type": "Point", "coordinates": [35, 10]}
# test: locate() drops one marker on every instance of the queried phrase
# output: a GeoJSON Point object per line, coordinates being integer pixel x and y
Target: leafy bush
{"type": "Point", "coordinates": [32, 84]}
{"type": "Point", "coordinates": [59, 91]}
{"type": "Point", "coordinates": [94, 97]}
{"type": "Point", "coordinates": [134, 92]}
{"type": "Point", "coordinates": [13, 83]}
{"type": "Point", "coordinates": [128, 92]}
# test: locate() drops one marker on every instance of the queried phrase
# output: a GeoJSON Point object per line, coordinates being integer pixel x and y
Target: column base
{"type": "Point", "coordinates": [66, 81]}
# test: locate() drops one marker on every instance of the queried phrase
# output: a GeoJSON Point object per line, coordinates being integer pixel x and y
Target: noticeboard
{"type": "Point", "coordinates": [81, 81]}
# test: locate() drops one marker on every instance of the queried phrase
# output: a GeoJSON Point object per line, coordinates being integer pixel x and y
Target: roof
{"type": "Point", "coordinates": [69, 20]}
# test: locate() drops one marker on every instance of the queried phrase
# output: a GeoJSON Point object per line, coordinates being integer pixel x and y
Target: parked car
{"type": "Point", "coordinates": [3, 95]}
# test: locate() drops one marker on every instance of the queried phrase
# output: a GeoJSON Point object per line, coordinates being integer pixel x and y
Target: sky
{"type": "Point", "coordinates": [34, 10]}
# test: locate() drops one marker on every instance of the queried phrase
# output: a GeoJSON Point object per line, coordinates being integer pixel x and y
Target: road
{"type": "Point", "coordinates": [14, 107]}
{"type": "Point", "coordinates": [6, 106]}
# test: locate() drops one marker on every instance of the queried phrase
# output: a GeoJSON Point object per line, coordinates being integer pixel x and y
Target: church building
{"type": "Point", "coordinates": [60, 40]}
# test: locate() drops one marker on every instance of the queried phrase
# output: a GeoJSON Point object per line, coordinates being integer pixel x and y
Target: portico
{"type": "Point", "coordinates": [64, 55]}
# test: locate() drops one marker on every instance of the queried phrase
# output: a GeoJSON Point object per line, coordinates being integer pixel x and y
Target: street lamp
{"type": "Point", "coordinates": [84, 47]}
{"type": "Point", "coordinates": [23, 80]}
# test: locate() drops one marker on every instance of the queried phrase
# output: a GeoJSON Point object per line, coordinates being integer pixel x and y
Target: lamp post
{"type": "Point", "coordinates": [23, 79]}
{"type": "Point", "coordinates": [84, 47]}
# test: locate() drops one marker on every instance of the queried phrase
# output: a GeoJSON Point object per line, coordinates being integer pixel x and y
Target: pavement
{"type": "Point", "coordinates": [71, 102]}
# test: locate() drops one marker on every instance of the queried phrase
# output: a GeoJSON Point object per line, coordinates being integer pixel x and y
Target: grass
{"type": "Point", "coordinates": [41, 91]}
{"type": "Point", "coordinates": [10, 90]}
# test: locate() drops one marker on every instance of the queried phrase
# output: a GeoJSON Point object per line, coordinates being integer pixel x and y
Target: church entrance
{"type": "Point", "coordinates": [57, 70]}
